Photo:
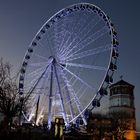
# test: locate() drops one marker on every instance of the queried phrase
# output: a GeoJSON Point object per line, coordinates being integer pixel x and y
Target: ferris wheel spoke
{"type": "Point", "coordinates": [39, 56]}
{"type": "Point", "coordinates": [63, 27]}
{"type": "Point", "coordinates": [37, 64]}
{"type": "Point", "coordinates": [50, 40]}
{"type": "Point", "coordinates": [50, 45]}
{"type": "Point", "coordinates": [89, 27]}
{"type": "Point", "coordinates": [87, 66]}
{"type": "Point", "coordinates": [62, 40]}
{"type": "Point", "coordinates": [62, 24]}
{"type": "Point", "coordinates": [43, 82]}
{"type": "Point", "coordinates": [65, 42]}
{"type": "Point", "coordinates": [68, 92]}
{"type": "Point", "coordinates": [70, 38]}
{"type": "Point", "coordinates": [70, 80]}
{"type": "Point", "coordinates": [57, 37]}
{"type": "Point", "coordinates": [77, 22]}
{"type": "Point", "coordinates": [89, 52]}
{"type": "Point", "coordinates": [38, 70]}
{"type": "Point", "coordinates": [77, 101]}
{"type": "Point", "coordinates": [34, 79]}
{"type": "Point", "coordinates": [71, 90]}
{"type": "Point", "coordinates": [82, 92]}
{"type": "Point", "coordinates": [36, 83]}
{"type": "Point", "coordinates": [58, 34]}
{"type": "Point", "coordinates": [65, 49]}
{"type": "Point", "coordinates": [72, 33]}
{"type": "Point", "coordinates": [87, 41]}
{"type": "Point", "coordinates": [83, 34]}
{"type": "Point", "coordinates": [82, 81]}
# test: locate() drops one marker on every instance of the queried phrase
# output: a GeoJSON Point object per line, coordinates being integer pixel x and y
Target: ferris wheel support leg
{"type": "Point", "coordinates": [37, 82]}
{"type": "Point", "coordinates": [61, 98]}
{"type": "Point", "coordinates": [50, 99]}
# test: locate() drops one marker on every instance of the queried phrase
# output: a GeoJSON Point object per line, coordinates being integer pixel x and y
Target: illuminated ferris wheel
{"type": "Point", "coordinates": [69, 64]}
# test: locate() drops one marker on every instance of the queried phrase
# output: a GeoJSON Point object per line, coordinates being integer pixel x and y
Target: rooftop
{"type": "Point", "coordinates": [122, 83]}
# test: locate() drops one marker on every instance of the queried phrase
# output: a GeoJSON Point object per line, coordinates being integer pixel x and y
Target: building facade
{"type": "Point", "coordinates": [122, 108]}
{"type": "Point", "coordinates": [119, 123]}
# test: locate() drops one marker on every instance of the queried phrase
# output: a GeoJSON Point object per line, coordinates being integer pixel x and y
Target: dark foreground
{"type": "Point", "coordinates": [38, 134]}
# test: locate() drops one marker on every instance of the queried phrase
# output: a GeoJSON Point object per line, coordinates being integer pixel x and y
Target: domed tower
{"type": "Point", "coordinates": [123, 108]}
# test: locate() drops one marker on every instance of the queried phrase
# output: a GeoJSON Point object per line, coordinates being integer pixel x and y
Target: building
{"type": "Point", "coordinates": [119, 123]}
{"type": "Point", "coordinates": [99, 127]}
{"type": "Point", "coordinates": [122, 108]}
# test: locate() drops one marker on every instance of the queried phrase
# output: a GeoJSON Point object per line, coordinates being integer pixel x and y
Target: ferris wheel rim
{"type": "Point", "coordinates": [112, 46]}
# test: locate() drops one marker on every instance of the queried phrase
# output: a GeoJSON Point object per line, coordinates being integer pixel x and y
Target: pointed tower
{"type": "Point", "coordinates": [122, 107]}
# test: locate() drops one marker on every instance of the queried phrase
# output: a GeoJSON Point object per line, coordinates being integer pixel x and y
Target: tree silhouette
{"type": "Point", "coordinates": [120, 124]}
{"type": "Point", "coordinates": [10, 101]}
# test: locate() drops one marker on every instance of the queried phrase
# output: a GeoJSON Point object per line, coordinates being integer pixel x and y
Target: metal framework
{"type": "Point", "coordinates": [69, 64]}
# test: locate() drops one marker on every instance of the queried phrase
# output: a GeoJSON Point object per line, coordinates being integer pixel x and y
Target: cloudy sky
{"type": "Point", "coordinates": [20, 21]}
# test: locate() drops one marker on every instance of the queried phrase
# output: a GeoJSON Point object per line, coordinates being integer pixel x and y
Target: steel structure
{"type": "Point", "coordinates": [69, 64]}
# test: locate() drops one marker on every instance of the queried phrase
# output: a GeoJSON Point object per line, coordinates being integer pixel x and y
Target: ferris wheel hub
{"type": "Point", "coordinates": [52, 59]}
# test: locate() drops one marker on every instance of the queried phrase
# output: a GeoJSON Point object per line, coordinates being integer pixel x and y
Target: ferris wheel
{"type": "Point", "coordinates": [69, 64]}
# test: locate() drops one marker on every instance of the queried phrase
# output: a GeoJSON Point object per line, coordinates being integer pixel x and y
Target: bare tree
{"type": "Point", "coordinates": [10, 102]}
{"type": "Point", "coordinates": [120, 124]}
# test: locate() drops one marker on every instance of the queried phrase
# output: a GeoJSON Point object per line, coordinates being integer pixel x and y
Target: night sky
{"type": "Point", "coordinates": [21, 19]}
